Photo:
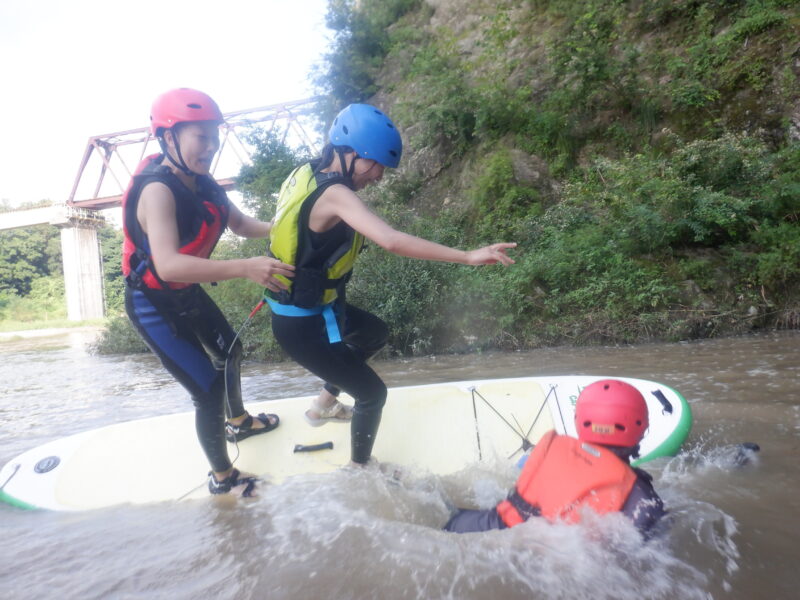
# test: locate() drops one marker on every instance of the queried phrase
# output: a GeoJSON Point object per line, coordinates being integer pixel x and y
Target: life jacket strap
{"type": "Point", "coordinates": [525, 509]}
{"type": "Point", "coordinates": [326, 310]}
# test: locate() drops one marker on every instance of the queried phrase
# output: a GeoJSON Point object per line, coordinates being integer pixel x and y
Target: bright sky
{"type": "Point", "coordinates": [74, 69]}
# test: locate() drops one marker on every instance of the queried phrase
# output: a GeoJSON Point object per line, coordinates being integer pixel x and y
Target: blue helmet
{"type": "Point", "coordinates": [369, 132]}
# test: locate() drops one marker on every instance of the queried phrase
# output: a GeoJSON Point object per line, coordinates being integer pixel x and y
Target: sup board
{"type": "Point", "coordinates": [438, 428]}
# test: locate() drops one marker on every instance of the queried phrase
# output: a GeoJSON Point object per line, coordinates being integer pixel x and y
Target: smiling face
{"type": "Point", "coordinates": [366, 171]}
{"type": "Point", "coordinates": [198, 142]}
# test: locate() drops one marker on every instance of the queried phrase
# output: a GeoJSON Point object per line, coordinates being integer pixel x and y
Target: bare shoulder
{"type": "Point", "coordinates": [156, 206]}
{"type": "Point", "coordinates": [340, 196]}
{"type": "Point", "coordinates": [156, 196]}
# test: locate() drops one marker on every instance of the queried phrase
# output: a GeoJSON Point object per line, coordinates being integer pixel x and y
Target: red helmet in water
{"type": "Point", "coordinates": [182, 105]}
{"type": "Point", "coordinates": [612, 413]}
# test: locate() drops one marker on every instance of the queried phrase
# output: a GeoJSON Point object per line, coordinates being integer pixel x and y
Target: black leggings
{"type": "Point", "coordinates": [191, 337]}
{"type": "Point", "coordinates": [469, 521]}
{"type": "Point", "coordinates": [342, 365]}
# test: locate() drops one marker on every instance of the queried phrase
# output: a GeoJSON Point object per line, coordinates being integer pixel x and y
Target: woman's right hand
{"type": "Point", "coordinates": [490, 255]}
{"type": "Point", "coordinates": [263, 269]}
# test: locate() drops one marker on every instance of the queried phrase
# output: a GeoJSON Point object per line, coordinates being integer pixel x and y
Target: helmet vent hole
{"type": "Point", "coordinates": [392, 152]}
{"type": "Point", "coordinates": [606, 386]}
{"type": "Point", "coordinates": [390, 126]}
{"type": "Point", "coordinates": [619, 427]}
{"type": "Point", "coordinates": [377, 112]}
{"type": "Point", "coordinates": [638, 423]}
{"type": "Point", "coordinates": [346, 131]}
{"type": "Point", "coordinates": [194, 105]}
{"type": "Point", "coordinates": [587, 423]}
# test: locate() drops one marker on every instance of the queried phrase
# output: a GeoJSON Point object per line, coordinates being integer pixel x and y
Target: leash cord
{"type": "Point", "coordinates": [225, 369]}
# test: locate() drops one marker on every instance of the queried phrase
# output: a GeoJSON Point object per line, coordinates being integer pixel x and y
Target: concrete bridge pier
{"type": "Point", "coordinates": [83, 267]}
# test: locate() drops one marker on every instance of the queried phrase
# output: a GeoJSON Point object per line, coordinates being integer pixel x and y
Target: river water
{"type": "Point", "coordinates": [361, 535]}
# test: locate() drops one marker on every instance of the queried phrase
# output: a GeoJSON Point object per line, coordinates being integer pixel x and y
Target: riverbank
{"type": "Point", "coordinates": [6, 336]}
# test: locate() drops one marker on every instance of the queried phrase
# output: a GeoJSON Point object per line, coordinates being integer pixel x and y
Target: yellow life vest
{"type": "Point", "coordinates": [318, 278]}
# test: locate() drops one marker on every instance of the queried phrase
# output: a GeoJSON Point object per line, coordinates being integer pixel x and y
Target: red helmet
{"type": "Point", "coordinates": [182, 105]}
{"type": "Point", "coordinates": [612, 413]}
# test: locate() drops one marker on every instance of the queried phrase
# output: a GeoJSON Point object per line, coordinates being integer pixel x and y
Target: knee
{"type": "Point", "coordinates": [233, 357]}
{"type": "Point", "coordinates": [375, 397]}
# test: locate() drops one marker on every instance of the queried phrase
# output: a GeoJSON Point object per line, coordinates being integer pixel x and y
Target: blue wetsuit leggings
{"type": "Point", "coordinates": [343, 365]}
{"type": "Point", "coordinates": [191, 337]}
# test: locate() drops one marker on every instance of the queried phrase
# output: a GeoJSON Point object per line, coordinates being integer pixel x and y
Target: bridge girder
{"type": "Point", "coordinates": [114, 156]}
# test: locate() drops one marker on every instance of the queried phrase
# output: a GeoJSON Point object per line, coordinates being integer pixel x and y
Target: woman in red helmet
{"type": "Point", "coordinates": [563, 475]}
{"type": "Point", "coordinates": [174, 214]}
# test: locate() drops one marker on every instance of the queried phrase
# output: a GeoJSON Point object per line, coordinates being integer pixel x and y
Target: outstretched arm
{"type": "Point", "coordinates": [341, 202]}
{"type": "Point", "coordinates": [156, 214]}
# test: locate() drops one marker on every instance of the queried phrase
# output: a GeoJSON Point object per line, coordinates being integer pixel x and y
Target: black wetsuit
{"type": "Point", "coordinates": [643, 506]}
{"type": "Point", "coordinates": [183, 327]}
{"type": "Point", "coordinates": [342, 365]}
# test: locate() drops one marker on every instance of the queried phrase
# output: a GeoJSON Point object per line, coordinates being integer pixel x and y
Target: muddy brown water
{"type": "Point", "coordinates": [361, 535]}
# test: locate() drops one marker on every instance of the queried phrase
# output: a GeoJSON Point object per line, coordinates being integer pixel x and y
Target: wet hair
{"type": "Point", "coordinates": [329, 151]}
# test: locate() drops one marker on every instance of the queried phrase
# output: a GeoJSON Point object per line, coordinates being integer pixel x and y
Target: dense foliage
{"type": "Point", "coordinates": [641, 154]}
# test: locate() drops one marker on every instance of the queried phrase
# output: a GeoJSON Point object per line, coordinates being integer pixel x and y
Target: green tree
{"type": "Point", "coordinates": [360, 42]}
{"type": "Point", "coordinates": [260, 182]}
{"type": "Point", "coordinates": [27, 254]}
{"type": "Point", "coordinates": [111, 253]}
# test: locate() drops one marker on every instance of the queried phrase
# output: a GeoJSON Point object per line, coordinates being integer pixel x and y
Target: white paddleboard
{"type": "Point", "coordinates": [439, 428]}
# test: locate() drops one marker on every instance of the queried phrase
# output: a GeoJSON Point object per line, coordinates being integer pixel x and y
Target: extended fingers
{"type": "Point", "coordinates": [275, 284]}
{"type": "Point", "coordinates": [279, 268]}
{"type": "Point", "coordinates": [505, 259]}
{"type": "Point", "coordinates": [498, 252]}
{"type": "Point", "coordinates": [504, 245]}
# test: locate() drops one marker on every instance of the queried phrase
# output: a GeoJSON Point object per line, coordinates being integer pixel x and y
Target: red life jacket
{"type": "Point", "coordinates": [201, 219]}
{"type": "Point", "coordinates": [561, 476]}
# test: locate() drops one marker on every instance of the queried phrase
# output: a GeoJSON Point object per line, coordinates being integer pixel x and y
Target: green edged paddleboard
{"type": "Point", "coordinates": [438, 428]}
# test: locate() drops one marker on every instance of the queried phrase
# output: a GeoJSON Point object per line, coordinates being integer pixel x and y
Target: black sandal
{"type": "Point", "coordinates": [237, 433]}
{"type": "Point", "coordinates": [230, 482]}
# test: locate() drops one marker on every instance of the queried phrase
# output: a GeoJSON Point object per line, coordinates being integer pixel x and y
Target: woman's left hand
{"type": "Point", "coordinates": [490, 255]}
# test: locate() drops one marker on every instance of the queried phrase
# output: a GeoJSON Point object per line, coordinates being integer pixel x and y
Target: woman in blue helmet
{"type": "Point", "coordinates": [320, 227]}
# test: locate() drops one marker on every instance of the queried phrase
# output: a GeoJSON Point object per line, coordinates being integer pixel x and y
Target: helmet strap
{"type": "Point", "coordinates": [180, 163]}
{"type": "Point", "coordinates": [348, 173]}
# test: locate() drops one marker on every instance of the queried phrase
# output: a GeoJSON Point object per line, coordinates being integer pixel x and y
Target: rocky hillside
{"type": "Point", "coordinates": [643, 153]}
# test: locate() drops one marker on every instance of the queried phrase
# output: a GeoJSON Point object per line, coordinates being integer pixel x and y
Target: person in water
{"type": "Point", "coordinates": [563, 476]}
{"type": "Point", "coordinates": [320, 227]}
{"type": "Point", "coordinates": [174, 214]}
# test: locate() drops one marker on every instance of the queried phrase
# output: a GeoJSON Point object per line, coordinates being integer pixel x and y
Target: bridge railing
{"type": "Point", "coordinates": [60, 215]}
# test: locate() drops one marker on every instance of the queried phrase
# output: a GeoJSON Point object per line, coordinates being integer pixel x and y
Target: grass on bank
{"type": "Point", "coordinates": [10, 326]}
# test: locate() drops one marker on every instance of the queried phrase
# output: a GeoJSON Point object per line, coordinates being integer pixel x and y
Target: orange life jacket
{"type": "Point", "coordinates": [561, 476]}
{"type": "Point", "coordinates": [201, 222]}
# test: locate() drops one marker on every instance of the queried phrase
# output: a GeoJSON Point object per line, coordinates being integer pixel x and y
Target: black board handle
{"type": "Point", "coordinates": [666, 404]}
{"type": "Point", "coordinates": [313, 447]}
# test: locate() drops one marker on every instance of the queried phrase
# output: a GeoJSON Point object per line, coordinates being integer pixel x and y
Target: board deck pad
{"type": "Point", "coordinates": [437, 428]}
